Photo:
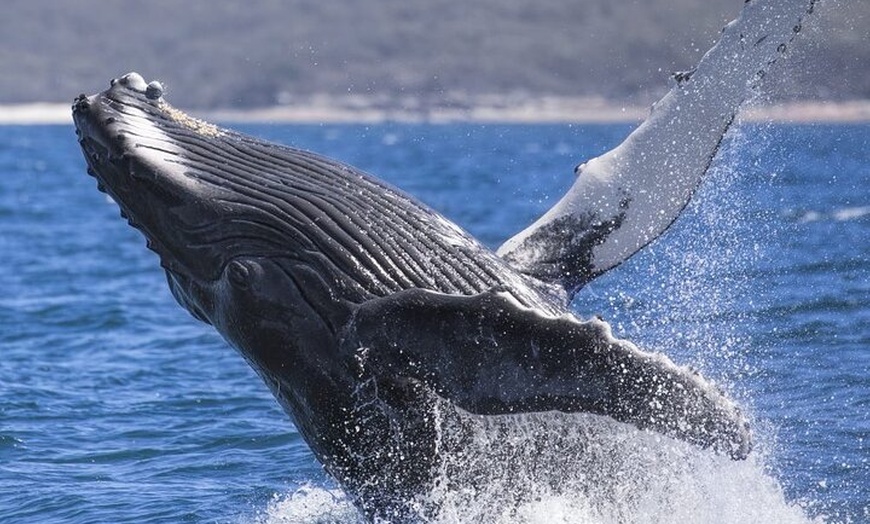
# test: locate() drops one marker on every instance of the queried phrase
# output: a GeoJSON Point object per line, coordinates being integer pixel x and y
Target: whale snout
{"type": "Point", "coordinates": [123, 135]}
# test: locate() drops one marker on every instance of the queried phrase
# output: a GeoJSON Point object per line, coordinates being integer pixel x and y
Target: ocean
{"type": "Point", "coordinates": [117, 406]}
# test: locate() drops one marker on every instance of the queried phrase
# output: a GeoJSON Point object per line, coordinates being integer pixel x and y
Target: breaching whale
{"type": "Point", "coordinates": [368, 315]}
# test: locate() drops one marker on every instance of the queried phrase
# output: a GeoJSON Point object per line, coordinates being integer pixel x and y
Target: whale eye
{"type": "Point", "coordinates": [239, 274]}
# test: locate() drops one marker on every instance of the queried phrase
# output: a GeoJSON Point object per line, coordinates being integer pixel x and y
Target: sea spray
{"type": "Point", "coordinates": [572, 469]}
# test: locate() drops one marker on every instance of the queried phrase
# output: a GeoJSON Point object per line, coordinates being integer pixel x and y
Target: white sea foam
{"type": "Point", "coordinates": [843, 214]}
{"type": "Point", "coordinates": [573, 469]}
{"type": "Point", "coordinates": [851, 213]}
{"type": "Point", "coordinates": [309, 505]}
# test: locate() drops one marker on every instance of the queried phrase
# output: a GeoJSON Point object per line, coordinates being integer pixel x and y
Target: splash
{"type": "Point", "coordinates": [310, 505]}
{"type": "Point", "coordinates": [571, 469]}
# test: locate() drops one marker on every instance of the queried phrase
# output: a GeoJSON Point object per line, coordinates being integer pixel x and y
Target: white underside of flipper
{"type": "Point", "coordinates": [627, 197]}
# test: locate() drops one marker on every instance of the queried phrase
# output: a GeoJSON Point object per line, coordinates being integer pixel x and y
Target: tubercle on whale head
{"type": "Point", "coordinates": [134, 85]}
{"type": "Point", "coordinates": [154, 91]}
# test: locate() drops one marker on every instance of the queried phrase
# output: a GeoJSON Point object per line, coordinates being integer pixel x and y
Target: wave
{"type": "Point", "coordinates": [843, 214]}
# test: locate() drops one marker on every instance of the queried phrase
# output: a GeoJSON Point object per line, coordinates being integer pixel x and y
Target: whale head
{"type": "Point", "coordinates": [223, 230]}
{"type": "Point", "coordinates": [239, 251]}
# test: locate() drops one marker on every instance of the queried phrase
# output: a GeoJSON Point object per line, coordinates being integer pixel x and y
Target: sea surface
{"type": "Point", "coordinates": [117, 406]}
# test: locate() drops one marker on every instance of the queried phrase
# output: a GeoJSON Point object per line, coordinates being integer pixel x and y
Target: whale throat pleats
{"type": "Point", "coordinates": [371, 233]}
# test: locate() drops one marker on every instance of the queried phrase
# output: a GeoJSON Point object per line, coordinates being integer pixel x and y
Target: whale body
{"type": "Point", "coordinates": [370, 316]}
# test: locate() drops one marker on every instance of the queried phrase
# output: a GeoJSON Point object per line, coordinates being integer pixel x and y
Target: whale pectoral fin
{"type": "Point", "coordinates": [627, 197]}
{"type": "Point", "coordinates": [489, 355]}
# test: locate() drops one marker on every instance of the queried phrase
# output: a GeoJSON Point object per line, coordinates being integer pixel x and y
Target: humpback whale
{"type": "Point", "coordinates": [371, 316]}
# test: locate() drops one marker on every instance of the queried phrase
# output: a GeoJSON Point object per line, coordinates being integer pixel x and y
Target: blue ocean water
{"type": "Point", "coordinates": [116, 406]}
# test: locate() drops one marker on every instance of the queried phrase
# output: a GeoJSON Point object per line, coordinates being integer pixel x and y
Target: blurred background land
{"type": "Point", "coordinates": [438, 59]}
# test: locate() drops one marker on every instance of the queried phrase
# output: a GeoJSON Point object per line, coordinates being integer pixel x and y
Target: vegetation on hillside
{"type": "Point", "coordinates": [220, 53]}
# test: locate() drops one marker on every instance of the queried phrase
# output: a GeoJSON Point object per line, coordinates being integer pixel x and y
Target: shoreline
{"type": "Point", "coordinates": [325, 109]}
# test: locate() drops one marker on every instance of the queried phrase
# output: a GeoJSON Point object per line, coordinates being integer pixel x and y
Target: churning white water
{"type": "Point", "coordinates": [572, 469]}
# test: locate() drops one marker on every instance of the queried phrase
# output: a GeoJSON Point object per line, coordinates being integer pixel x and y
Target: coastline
{"type": "Point", "coordinates": [485, 110]}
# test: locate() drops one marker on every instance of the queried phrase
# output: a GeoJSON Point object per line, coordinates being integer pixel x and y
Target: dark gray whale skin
{"type": "Point", "coordinates": [364, 311]}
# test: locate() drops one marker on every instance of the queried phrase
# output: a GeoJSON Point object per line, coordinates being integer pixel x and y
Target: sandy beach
{"type": "Point", "coordinates": [491, 109]}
